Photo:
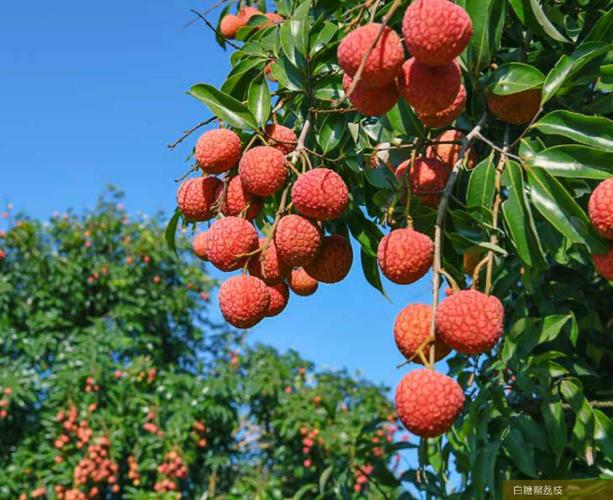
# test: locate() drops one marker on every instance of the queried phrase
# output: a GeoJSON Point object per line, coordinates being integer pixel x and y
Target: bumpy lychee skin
{"type": "Point", "coordinates": [298, 240]}
{"type": "Point", "coordinates": [301, 283]}
{"type": "Point", "coordinates": [218, 150]}
{"type": "Point", "coordinates": [244, 300]}
{"type": "Point", "coordinates": [279, 295]}
{"type": "Point", "coordinates": [470, 321]}
{"type": "Point", "coordinates": [427, 178]}
{"type": "Point", "coordinates": [333, 262]}
{"type": "Point", "coordinates": [429, 89]}
{"type": "Point", "coordinates": [412, 329]}
{"type": "Point", "coordinates": [446, 117]}
{"type": "Point", "coordinates": [320, 194]}
{"type": "Point", "coordinates": [428, 402]}
{"type": "Point", "coordinates": [449, 153]}
{"type": "Point", "coordinates": [282, 138]}
{"type": "Point", "coordinates": [199, 245]}
{"type": "Point", "coordinates": [228, 240]}
{"type": "Point", "coordinates": [267, 265]}
{"type": "Point", "coordinates": [229, 26]}
{"type": "Point", "coordinates": [371, 102]}
{"type": "Point", "coordinates": [604, 264]}
{"type": "Point", "coordinates": [600, 208]}
{"type": "Point", "coordinates": [263, 171]}
{"type": "Point", "coordinates": [516, 109]}
{"type": "Point", "coordinates": [197, 196]}
{"type": "Point", "coordinates": [384, 61]}
{"type": "Point", "coordinates": [405, 255]}
{"type": "Point", "coordinates": [436, 31]}
{"type": "Point", "coordinates": [237, 199]}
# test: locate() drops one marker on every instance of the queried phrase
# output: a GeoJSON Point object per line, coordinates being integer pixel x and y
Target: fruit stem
{"type": "Point", "coordinates": [189, 132]}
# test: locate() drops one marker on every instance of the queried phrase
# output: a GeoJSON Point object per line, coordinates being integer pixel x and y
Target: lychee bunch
{"type": "Point", "coordinates": [228, 243]}
{"type": "Point", "coordinates": [301, 283]}
{"type": "Point", "coordinates": [412, 330]}
{"type": "Point", "coordinates": [470, 321]}
{"type": "Point", "coordinates": [333, 262]}
{"type": "Point", "coordinates": [217, 151]}
{"type": "Point", "coordinates": [262, 170]}
{"type": "Point", "coordinates": [282, 138]}
{"type": "Point", "coordinates": [196, 198]}
{"type": "Point", "coordinates": [604, 264]}
{"type": "Point", "coordinates": [446, 149]}
{"type": "Point", "coordinates": [516, 109]}
{"type": "Point", "coordinates": [320, 194]}
{"type": "Point", "coordinates": [298, 240]}
{"type": "Point", "coordinates": [428, 403]}
{"type": "Point", "coordinates": [267, 265]}
{"type": "Point", "coordinates": [244, 300]}
{"type": "Point", "coordinates": [371, 102]}
{"type": "Point", "coordinates": [600, 208]}
{"type": "Point", "coordinates": [238, 201]}
{"type": "Point", "coordinates": [405, 255]}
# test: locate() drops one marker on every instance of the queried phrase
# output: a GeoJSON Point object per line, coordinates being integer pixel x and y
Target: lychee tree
{"type": "Point", "coordinates": [467, 140]}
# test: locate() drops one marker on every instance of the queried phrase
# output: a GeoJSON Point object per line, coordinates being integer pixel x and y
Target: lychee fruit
{"type": "Point", "coordinates": [446, 116]}
{"type": "Point", "coordinates": [267, 265]}
{"type": "Point", "coordinates": [428, 402]}
{"type": "Point", "coordinates": [244, 300]}
{"type": "Point", "coordinates": [470, 321]}
{"type": "Point", "coordinates": [199, 245]}
{"type": "Point", "coordinates": [298, 240]}
{"type": "Point", "coordinates": [228, 241]}
{"type": "Point", "coordinates": [516, 109]}
{"type": "Point", "coordinates": [436, 31]}
{"type": "Point", "coordinates": [600, 208]}
{"type": "Point", "coordinates": [429, 89]}
{"type": "Point", "coordinates": [604, 264]}
{"type": "Point", "coordinates": [405, 255]}
{"type": "Point", "coordinates": [246, 13]}
{"type": "Point", "coordinates": [427, 179]}
{"type": "Point", "coordinates": [333, 262]}
{"type": "Point", "coordinates": [197, 196]}
{"type": "Point", "coordinates": [448, 149]}
{"type": "Point", "coordinates": [229, 25]}
{"type": "Point", "coordinates": [320, 194]}
{"type": "Point", "coordinates": [371, 102]}
{"type": "Point", "coordinates": [218, 150]}
{"type": "Point", "coordinates": [279, 295]}
{"type": "Point", "coordinates": [301, 283]}
{"type": "Point", "coordinates": [282, 138]}
{"type": "Point", "coordinates": [384, 61]}
{"type": "Point", "coordinates": [274, 18]}
{"type": "Point", "coordinates": [263, 171]}
{"type": "Point", "coordinates": [268, 71]}
{"type": "Point", "coordinates": [412, 328]}
{"type": "Point", "coordinates": [239, 201]}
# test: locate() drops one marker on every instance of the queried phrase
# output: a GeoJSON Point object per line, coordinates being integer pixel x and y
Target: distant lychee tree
{"type": "Point", "coordinates": [465, 140]}
{"type": "Point", "coordinates": [116, 381]}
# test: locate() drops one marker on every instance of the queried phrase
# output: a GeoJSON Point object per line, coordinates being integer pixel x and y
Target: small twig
{"type": "Point", "coordinates": [207, 22]}
{"type": "Point", "coordinates": [185, 175]}
{"type": "Point", "coordinates": [191, 131]}
{"type": "Point", "coordinates": [503, 151]}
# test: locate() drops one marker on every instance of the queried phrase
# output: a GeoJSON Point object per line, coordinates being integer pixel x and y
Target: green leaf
{"type": "Point", "coordinates": [323, 36]}
{"type": "Point", "coordinates": [295, 36]}
{"type": "Point", "coordinates": [488, 20]}
{"type": "Point", "coordinates": [365, 232]}
{"type": "Point", "coordinates": [482, 185]}
{"type": "Point", "coordinates": [574, 161]}
{"type": "Point", "coordinates": [331, 131]}
{"type": "Point", "coordinates": [516, 77]}
{"type": "Point", "coordinates": [171, 231]}
{"type": "Point", "coordinates": [521, 451]}
{"type": "Point", "coordinates": [568, 66]}
{"type": "Point", "coordinates": [370, 268]}
{"type": "Point", "coordinates": [545, 23]}
{"type": "Point", "coordinates": [553, 414]}
{"type": "Point", "coordinates": [287, 75]}
{"type": "Point", "coordinates": [602, 31]}
{"type": "Point", "coordinates": [593, 131]}
{"type": "Point", "coordinates": [402, 120]}
{"type": "Point", "coordinates": [603, 432]}
{"type": "Point", "coordinates": [485, 464]}
{"type": "Point", "coordinates": [259, 100]}
{"type": "Point", "coordinates": [531, 431]}
{"type": "Point", "coordinates": [225, 107]}
{"type": "Point", "coordinates": [323, 479]}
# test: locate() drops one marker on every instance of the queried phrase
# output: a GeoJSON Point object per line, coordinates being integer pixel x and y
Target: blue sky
{"type": "Point", "coordinates": [91, 93]}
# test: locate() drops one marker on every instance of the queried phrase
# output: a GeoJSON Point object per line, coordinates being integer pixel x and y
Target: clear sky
{"type": "Point", "coordinates": [92, 92]}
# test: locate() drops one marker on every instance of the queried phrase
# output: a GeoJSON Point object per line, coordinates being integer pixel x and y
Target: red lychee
{"type": "Point", "coordinates": [237, 199]}
{"type": "Point", "coordinates": [604, 264]}
{"type": "Point", "coordinates": [518, 108]}
{"type": "Point", "coordinates": [428, 402]}
{"type": "Point", "coordinates": [262, 170]}
{"type": "Point", "coordinates": [268, 71]}
{"type": "Point", "coordinates": [448, 151]}
{"type": "Point", "coordinates": [274, 18]}
{"type": "Point", "coordinates": [282, 138]}
{"type": "Point", "coordinates": [384, 61]}
{"type": "Point", "coordinates": [470, 321]}
{"type": "Point", "coordinates": [445, 117]}
{"type": "Point", "coordinates": [298, 240]}
{"type": "Point", "coordinates": [228, 241]}
{"type": "Point", "coordinates": [333, 262]}
{"type": "Point", "coordinates": [371, 102]}
{"type": "Point", "coordinates": [279, 295]}
{"type": "Point", "coordinates": [600, 208]}
{"type": "Point", "coordinates": [229, 26]}
{"type": "Point", "coordinates": [301, 283]}
{"type": "Point", "coordinates": [267, 265]}
{"type": "Point", "coordinates": [320, 194]}
{"type": "Point", "coordinates": [429, 89]}
{"type": "Point", "coordinates": [218, 150]}
{"type": "Point", "coordinates": [246, 13]}
{"type": "Point", "coordinates": [197, 196]}
{"type": "Point", "coordinates": [244, 300]}
{"type": "Point", "coordinates": [405, 255]}
{"type": "Point", "coordinates": [199, 245]}
{"type": "Point", "coordinates": [436, 31]}
{"type": "Point", "coordinates": [427, 179]}
{"type": "Point", "coordinates": [412, 328]}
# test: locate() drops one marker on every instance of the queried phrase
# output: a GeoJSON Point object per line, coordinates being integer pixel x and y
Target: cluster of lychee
{"type": "Point", "coordinates": [97, 467]}
{"type": "Point", "coordinates": [198, 432]}
{"type": "Point", "coordinates": [80, 429]}
{"type": "Point", "coordinates": [310, 439]}
{"type": "Point", "coordinates": [296, 254]}
{"type": "Point", "coordinates": [171, 469]}
{"type": "Point", "coordinates": [5, 402]}
{"type": "Point", "coordinates": [600, 210]}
